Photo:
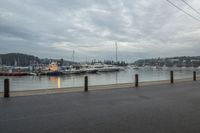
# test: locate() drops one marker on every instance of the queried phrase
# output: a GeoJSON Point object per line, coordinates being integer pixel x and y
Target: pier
{"type": "Point", "coordinates": [156, 108]}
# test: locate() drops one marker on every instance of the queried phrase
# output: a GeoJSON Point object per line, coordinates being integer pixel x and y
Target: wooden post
{"type": "Point", "coordinates": [86, 84]}
{"type": "Point", "coordinates": [136, 80]}
{"type": "Point", "coordinates": [194, 75]}
{"type": "Point", "coordinates": [171, 77]}
{"type": "Point", "coordinates": [6, 88]}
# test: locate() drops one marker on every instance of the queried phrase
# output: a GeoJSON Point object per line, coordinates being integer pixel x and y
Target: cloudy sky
{"type": "Point", "coordinates": [142, 28]}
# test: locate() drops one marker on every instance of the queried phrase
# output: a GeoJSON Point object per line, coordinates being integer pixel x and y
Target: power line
{"type": "Point", "coordinates": [190, 6]}
{"type": "Point", "coordinates": [183, 10]}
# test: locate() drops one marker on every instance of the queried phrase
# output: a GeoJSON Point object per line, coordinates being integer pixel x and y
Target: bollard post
{"type": "Point", "coordinates": [136, 80]}
{"type": "Point", "coordinates": [6, 88]}
{"type": "Point", "coordinates": [171, 77]}
{"type": "Point", "coordinates": [194, 75]}
{"type": "Point", "coordinates": [86, 84]}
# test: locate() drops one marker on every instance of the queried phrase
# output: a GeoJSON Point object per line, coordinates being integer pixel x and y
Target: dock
{"type": "Point", "coordinates": [156, 108]}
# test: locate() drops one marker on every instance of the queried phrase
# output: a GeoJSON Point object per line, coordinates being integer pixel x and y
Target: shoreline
{"type": "Point", "coordinates": [93, 87]}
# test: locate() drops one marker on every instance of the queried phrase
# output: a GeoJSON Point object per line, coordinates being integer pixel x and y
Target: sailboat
{"type": "Point", "coordinates": [111, 68]}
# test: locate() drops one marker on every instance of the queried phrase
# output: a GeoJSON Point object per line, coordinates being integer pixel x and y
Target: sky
{"type": "Point", "coordinates": [90, 28]}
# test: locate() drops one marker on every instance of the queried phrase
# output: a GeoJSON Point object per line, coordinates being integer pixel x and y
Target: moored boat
{"type": "Point", "coordinates": [108, 69]}
{"type": "Point", "coordinates": [14, 73]}
{"type": "Point", "coordinates": [76, 71]}
{"type": "Point", "coordinates": [54, 73]}
{"type": "Point", "coordinates": [91, 70]}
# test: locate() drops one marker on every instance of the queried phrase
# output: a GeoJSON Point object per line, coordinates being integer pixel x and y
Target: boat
{"type": "Point", "coordinates": [54, 73]}
{"type": "Point", "coordinates": [32, 74]}
{"type": "Point", "coordinates": [135, 67]}
{"type": "Point", "coordinates": [158, 67]}
{"type": "Point", "coordinates": [109, 68]}
{"type": "Point", "coordinates": [53, 70]}
{"type": "Point", "coordinates": [105, 68]}
{"type": "Point", "coordinates": [91, 70]}
{"type": "Point", "coordinates": [14, 73]}
{"type": "Point", "coordinates": [76, 71]}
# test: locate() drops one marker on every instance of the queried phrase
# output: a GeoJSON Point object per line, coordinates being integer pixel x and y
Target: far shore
{"type": "Point", "coordinates": [93, 87]}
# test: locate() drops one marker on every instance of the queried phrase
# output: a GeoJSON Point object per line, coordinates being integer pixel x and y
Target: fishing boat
{"type": "Point", "coordinates": [54, 73]}
{"type": "Point", "coordinates": [53, 70]}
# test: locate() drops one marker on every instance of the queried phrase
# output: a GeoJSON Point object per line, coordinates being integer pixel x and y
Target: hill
{"type": "Point", "coordinates": [19, 59]}
{"type": "Point", "coordinates": [187, 61]}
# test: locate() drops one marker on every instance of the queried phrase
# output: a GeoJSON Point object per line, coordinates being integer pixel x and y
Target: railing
{"type": "Point", "coordinates": [7, 83]}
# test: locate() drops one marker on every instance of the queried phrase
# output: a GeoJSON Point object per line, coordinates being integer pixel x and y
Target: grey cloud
{"type": "Point", "coordinates": [55, 28]}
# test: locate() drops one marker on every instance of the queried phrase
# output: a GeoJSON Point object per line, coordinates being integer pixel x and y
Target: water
{"type": "Point", "coordinates": [126, 76]}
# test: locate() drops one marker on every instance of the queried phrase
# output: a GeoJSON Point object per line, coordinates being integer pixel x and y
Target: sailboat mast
{"type": "Point", "coordinates": [116, 51]}
{"type": "Point", "coordinates": [73, 56]}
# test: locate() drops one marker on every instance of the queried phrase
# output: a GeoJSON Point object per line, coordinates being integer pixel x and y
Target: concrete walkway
{"type": "Point", "coordinates": [149, 109]}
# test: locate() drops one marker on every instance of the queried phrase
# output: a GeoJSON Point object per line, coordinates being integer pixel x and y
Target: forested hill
{"type": "Point", "coordinates": [17, 59]}
{"type": "Point", "coordinates": [177, 61]}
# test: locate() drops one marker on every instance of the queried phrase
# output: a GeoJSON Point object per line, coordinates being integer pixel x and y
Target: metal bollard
{"type": "Point", "coordinates": [194, 76]}
{"type": "Point", "coordinates": [136, 80]}
{"type": "Point", "coordinates": [171, 77]}
{"type": "Point", "coordinates": [6, 88]}
{"type": "Point", "coordinates": [86, 84]}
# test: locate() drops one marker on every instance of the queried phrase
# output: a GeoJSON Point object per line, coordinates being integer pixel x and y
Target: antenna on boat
{"type": "Point", "coordinates": [116, 51]}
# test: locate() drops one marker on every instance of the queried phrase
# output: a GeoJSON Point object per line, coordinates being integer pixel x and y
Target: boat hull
{"type": "Point", "coordinates": [54, 73]}
{"type": "Point", "coordinates": [13, 74]}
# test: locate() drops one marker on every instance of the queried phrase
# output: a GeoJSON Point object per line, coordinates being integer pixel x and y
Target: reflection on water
{"type": "Point", "coordinates": [116, 77]}
{"type": "Point", "coordinates": [55, 80]}
{"type": "Point", "coordinates": [58, 82]}
{"type": "Point", "coordinates": [126, 76]}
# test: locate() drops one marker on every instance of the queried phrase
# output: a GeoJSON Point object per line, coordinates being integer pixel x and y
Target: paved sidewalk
{"type": "Point", "coordinates": [149, 109]}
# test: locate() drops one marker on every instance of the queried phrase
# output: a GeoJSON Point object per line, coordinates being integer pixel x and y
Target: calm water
{"type": "Point", "coordinates": [126, 76]}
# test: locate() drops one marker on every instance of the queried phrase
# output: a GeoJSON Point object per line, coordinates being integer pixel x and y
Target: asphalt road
{"type": "Point", "coordinates": [150, 109]}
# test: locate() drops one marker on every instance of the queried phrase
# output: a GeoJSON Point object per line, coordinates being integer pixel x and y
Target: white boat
{"type": "Point", "coordinates": [32, 74]}
{"type": "Point", "coordinates": [74, 71]}
{"type": "Point", "coordinates": [165, 68]}
{"type": "Point", "coordinates": [91, 70]}
{"type": "Point", "coordinates": [105, 68]}
{"type": "Point", "coordinates": [109, 68]}
{"type": "Point", "coordinates": [135, 67]}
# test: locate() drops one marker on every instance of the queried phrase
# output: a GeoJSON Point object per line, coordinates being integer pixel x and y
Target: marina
{"type": "Point", "coordinates": [126, 75]}
{"type": "Point", "coordinates": [72, 66]}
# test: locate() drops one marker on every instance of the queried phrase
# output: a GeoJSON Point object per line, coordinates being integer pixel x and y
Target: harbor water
{"type": "Point", "coordinates": [101, 78]}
